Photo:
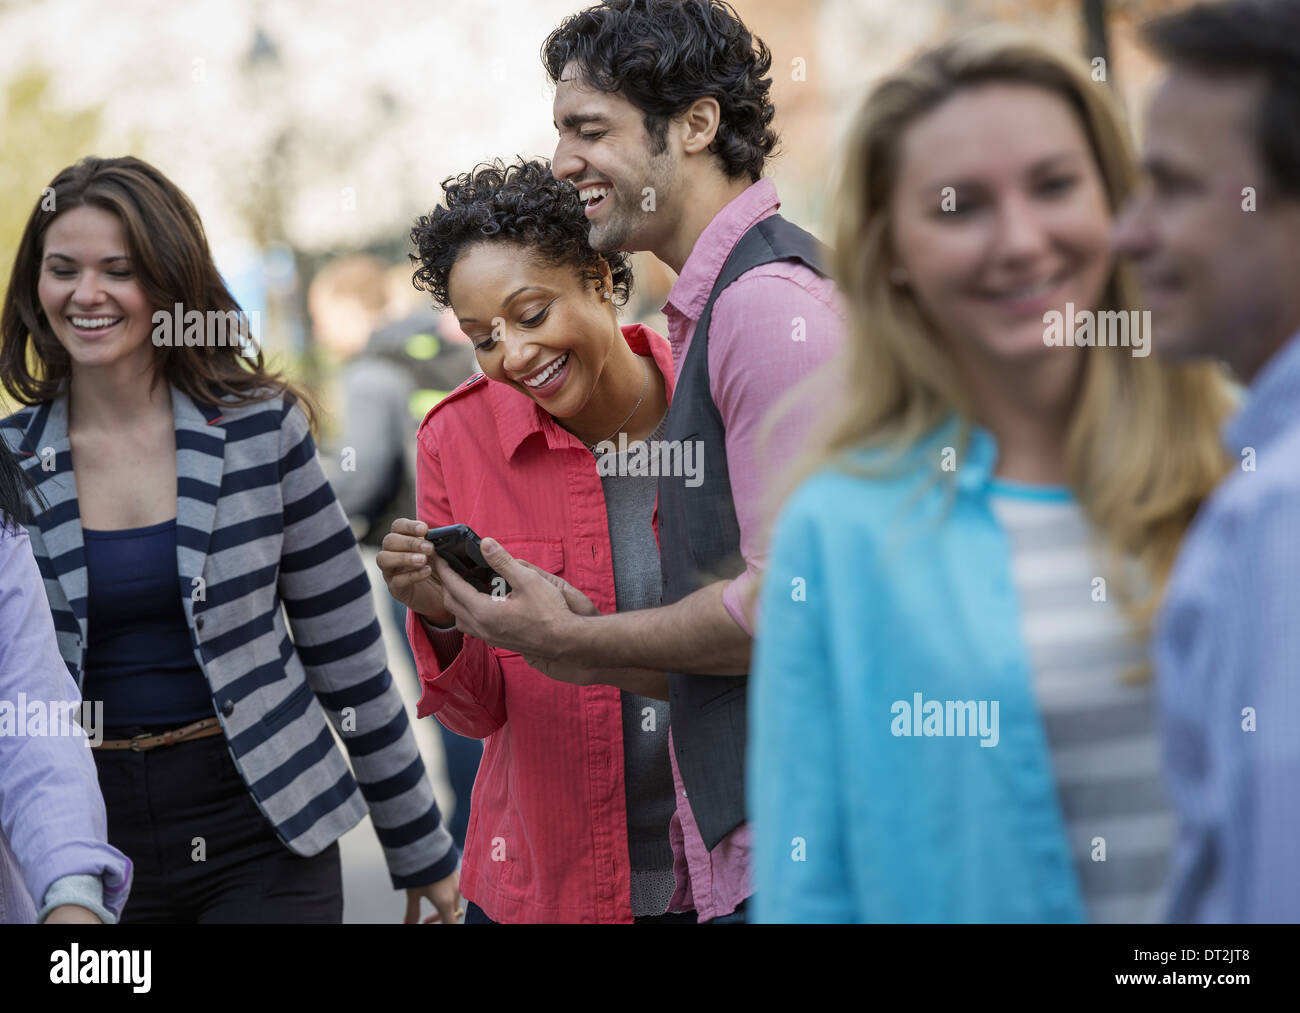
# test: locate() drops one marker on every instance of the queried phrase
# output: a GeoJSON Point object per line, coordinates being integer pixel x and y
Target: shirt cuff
{"type": "Point", "coordinates": [83, 891]}
{"type": "Point", "coordinates": [446, 643]}
{"type": "Point", "coordinates": [733, 599]}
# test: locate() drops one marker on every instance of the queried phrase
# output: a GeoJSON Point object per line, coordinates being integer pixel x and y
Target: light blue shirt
{"type": "Point", "coordinates": [1227, 658]}
{"type": "Point", "coordinates": [877, 591]}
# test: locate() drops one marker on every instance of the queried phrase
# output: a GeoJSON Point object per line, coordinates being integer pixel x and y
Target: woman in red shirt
{"type": "Point", "coordinates": [569, 819]}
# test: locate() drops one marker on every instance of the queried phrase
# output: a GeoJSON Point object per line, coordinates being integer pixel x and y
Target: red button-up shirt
{"type": "Point", "coordinates": [547, 837]}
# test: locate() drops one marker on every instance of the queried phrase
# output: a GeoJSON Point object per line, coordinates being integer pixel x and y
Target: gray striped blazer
{"type": "Point", "coordinates": [258, 527]}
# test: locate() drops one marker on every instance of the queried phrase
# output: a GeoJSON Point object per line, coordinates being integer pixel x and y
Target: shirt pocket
{"type": "Point", "coordinates": [543, 551]}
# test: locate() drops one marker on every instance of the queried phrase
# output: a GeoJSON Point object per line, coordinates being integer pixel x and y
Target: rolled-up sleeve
{"type": "Point", "coordinates": [771, 328]}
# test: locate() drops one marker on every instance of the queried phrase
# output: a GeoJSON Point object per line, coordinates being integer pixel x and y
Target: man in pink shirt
{"type": "Point", "coordinates": [664, 119]}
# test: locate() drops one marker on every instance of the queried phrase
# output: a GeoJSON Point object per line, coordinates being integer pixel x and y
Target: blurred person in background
{"type": "Point", "coordinates": [951, 721]}
{"type": "Point", "coordinates": [393, 361]}
{"type": "Point", "coordinates": [1215, 234]}
{"type": "Point", "coordinates": [396, 359]}
{"type": "Point", "coordinates": [53, 830]}
{"type": "Point", "coordinates": [572, 806]}
{"type": "Point", "coordinates": [185, 516]}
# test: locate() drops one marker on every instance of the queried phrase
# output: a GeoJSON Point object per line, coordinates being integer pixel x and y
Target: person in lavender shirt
{"type": "Point", "coordinates": [664, 119]}
{"type": "Point", "coordinates": [53, 828]}
{"type": "Point", "coordinates": [1215, 233]}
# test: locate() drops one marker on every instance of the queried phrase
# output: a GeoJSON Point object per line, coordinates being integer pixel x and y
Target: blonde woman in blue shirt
{"type": "Point", "coordinates": [952, 720]}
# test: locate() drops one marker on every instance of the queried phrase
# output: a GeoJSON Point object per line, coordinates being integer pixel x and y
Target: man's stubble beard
{"type": "Point", "coordinates": [628, 226]}
{"type": "Point", "coordinates": [625, 229]}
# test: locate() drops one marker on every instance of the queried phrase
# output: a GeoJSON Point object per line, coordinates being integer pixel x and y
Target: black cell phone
{"type": "Point", "coordinates": [459, 546]}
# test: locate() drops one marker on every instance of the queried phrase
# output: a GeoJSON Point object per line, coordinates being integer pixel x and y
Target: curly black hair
{"type": "Point", "coordinates": [662, 55]}
{"type": "Point", "coordinates": [521, 203]}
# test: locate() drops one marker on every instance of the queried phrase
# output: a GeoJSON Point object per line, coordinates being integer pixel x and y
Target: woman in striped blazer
{"type": "Point", "coordinates": [186, 531]}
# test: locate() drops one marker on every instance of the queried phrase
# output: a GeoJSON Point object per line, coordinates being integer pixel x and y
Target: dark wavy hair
{"type": "Point", "coordinates": [172, 263]}
{"type": "Point", "coordinates": [662, 55]}
{"type": "Point", "coordinates": [521, 203]}
{"type": "Point", "coordinates": [1246, 38]}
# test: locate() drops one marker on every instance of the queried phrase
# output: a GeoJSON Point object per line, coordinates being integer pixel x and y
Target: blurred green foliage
{"type": "Point", "coordinates": [36, 141]}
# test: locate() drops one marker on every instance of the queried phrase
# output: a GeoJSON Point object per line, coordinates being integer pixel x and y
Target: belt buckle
{"type": "Point", "coordinates": [137, 738]}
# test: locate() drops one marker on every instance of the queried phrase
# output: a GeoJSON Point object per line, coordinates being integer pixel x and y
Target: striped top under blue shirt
{"type": "Point", "coordinates": [1100, 726]}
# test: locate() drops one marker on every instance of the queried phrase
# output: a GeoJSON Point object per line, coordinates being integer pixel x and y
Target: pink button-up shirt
{"type": "Point", "coordinates": [770, 328]}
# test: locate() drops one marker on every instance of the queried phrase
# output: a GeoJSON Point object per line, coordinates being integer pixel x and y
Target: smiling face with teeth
{"type": "Point", "coordinates": [605, 151]}
{"type": "Point", "coordinates": [546, 330]}
{"type": "Point", "coordinates": [89, 292]}
{"type": "Point", "coordinates": [1029, 231]}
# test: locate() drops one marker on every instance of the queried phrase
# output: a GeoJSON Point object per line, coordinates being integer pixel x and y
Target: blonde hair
{"type": "Point", "coordinates": [1142, 448]}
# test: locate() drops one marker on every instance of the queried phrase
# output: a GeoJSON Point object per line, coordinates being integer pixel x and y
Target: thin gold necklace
{"type": "Point", "coordinates": [644, 387]}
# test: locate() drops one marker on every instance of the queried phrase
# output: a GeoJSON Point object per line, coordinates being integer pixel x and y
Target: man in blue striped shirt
{"type": "Point", "coordinates": [1215, 231]}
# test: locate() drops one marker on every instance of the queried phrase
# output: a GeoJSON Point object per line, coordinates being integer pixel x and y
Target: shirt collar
{"type": "Point", "coordinates": [1272, 402]}
{"type": "Point", "coordinates": [700, 272]}
{"type": "Point", "coordinates": [518, 417]}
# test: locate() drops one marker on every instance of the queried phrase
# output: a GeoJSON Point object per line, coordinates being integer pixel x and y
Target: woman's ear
{"type": "Point", "coordinates": [605, 286]}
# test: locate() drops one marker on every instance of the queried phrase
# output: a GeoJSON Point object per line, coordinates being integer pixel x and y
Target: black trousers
{"type": "Point", "coordinates": [201, 849]}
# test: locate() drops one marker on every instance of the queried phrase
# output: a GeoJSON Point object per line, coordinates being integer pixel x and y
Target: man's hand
{"type": "Point", "coordinates": [445, 896]}
{"type": "Point", "coordinates": [652, 684]}
{"type": "Point", "coordinates": [71, 914]}
{"type": "Point", "coordinates": [536, 618]}
{"type": "Point", "coordinates": [404, 562]}
{"type": "Point", "coordinates": [579, 603]}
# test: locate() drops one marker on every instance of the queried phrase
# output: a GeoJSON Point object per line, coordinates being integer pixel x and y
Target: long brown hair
{"type": "Point", "coordinates": [173, 264]}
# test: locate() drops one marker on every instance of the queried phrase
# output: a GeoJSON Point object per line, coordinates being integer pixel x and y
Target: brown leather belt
{"type": "Point", "coordinates": [147, 740]}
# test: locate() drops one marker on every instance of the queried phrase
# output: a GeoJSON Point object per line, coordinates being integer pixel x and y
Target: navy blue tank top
{"type": "Point", "coordinates": [140, 658]}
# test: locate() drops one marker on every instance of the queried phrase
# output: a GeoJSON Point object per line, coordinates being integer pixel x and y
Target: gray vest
{"type": "Point", "coordinates": [699, 543]}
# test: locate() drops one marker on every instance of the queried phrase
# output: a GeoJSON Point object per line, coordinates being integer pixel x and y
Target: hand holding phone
{"type": "Point", "coordinates": [406, 562]}
{"type": "Point", "coordinates": [459, 546]}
